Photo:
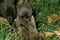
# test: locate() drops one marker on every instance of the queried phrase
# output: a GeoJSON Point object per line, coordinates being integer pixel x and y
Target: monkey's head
{"type": "Point", "coordinates": [24, 12]}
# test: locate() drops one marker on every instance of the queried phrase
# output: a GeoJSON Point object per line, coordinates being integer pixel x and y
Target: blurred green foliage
{"type": "Point", "coordinates": [7, 32]}
{"type": "Point", "coordinates": [54, 37]}
{"type": "Point", "coordinates": [44, 8]}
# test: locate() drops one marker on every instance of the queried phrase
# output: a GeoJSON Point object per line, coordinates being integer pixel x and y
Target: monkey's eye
{"type": "Point", "coordinates": [22, 16]}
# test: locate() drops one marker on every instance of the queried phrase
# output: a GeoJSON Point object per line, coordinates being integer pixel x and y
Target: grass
{"type": "Point", "coordinates": [7, 32]}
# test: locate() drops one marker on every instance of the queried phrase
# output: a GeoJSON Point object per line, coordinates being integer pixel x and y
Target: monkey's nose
{"type": "Point", "coordinates": [26, 20]}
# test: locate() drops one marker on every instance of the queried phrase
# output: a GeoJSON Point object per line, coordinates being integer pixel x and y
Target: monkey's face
{"type": "Point", "coordinates": [25, 14]}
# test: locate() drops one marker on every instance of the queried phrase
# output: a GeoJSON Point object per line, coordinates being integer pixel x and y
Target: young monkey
{"type": "Point", "coordinates": [25, 23]}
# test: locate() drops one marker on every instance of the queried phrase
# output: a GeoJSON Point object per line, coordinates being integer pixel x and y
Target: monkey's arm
{"type": "Point", "coordinates": [33, 24]}
{"type": "Point", "coordinates": [40, 36]}
{"type": "Point", "coordinates": [33, 21]}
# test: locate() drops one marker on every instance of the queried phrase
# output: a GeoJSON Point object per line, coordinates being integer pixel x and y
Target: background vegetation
{"type": "Point", "coordinates": [47, 19]}
{"type": "Point", "coordinates": [47, 16]}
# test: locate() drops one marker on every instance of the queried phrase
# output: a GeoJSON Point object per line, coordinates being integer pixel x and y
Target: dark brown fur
{"type": "Point", "coordinates": [8, 10]}
{"type": "Point", "coordinates": [25, 23]}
